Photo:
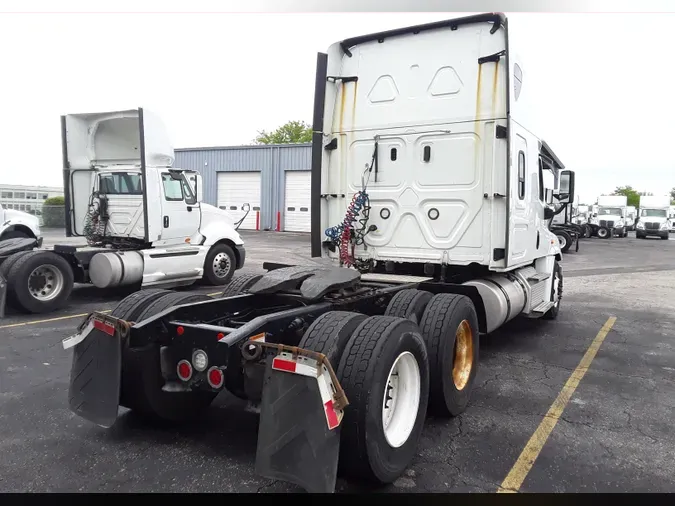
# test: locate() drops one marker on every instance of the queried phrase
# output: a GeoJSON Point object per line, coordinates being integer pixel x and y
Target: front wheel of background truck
{"type": "Point", "coordinates": [565, 240]}
{"type": "Point", "coordinates": [384, 372]}
{"type": "Point", "coordinates": [604, 233]}
{"type": "Point", "coordinates": [219, 265]}
{"type": "Point", "coordinates": [40, 282]}
{"type": "Point", "coordinates": [142, 381]}
{"type": "Point", "coordinates": [556, 292]}
{"type": "Point", "coordinates": [450, 330]}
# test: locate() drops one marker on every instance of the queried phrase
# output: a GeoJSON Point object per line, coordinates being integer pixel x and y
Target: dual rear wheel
{"type": "Point", "coordinates": [420, 357]}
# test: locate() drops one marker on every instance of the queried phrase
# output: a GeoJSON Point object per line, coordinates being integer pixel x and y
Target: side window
{"type": "Point", "coordinates": [521, 175]}
{"type": "Point", "coordinates": [190, 197]}
{"type": "Point", "coordinates": [173, 189]}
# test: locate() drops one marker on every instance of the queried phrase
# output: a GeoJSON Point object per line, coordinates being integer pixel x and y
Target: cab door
{"type": "Point", "coordinates": [180, 211]}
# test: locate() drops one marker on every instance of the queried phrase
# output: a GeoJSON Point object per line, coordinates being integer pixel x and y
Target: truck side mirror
{"type": "Point", "coordinates": [566, 188]}
{"type": "Point", "coordinates": [548, 213]}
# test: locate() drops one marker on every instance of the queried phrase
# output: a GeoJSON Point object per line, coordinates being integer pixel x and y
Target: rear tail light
{"type": "Point", "coordinates": [215, 377]}
{"type": "Point", "coordinates": [184, 370]}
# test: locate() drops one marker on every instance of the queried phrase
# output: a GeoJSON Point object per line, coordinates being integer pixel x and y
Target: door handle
{"type": "Point", "coordinates": [166, 222]}
{"type": "Point", "coordinates": [189, 208]}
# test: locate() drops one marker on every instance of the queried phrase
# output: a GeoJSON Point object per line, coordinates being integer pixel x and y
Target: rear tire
{"type": "Point", "coordinates": [450, 330]}
{"type": "Point", "coordinates": [330, 333]}
{"type": "Point", "coordinates": [379, 436]}
{"type": "Point", "coordinates": [7, 265]}
{"type": "Point", "coordinates": [565, 240]}
{"type": "Point", "coordinates": [409, 304]}
{"type": "Point", "coordinates": [131, 307]}
{"type": "Point", "coordinates": [142, 381]}
{"type": "Point", "coordinates": [39, 282]}
{"type": "Point", "coordinates": [219, 265]}
{"type": "Point", "coordinates": [240, 284]}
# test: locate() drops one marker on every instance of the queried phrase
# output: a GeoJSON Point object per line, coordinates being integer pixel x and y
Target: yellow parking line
{"type": "Point", "coordinates": [518, 473]}
{"type": "Point", "coordinates": [214, 294]}
{"type": "Point", "coordinates": [49, 320]}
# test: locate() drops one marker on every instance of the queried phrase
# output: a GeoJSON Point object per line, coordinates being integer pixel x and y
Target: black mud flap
{"type": "Point", "coordinates": [94, 390]}
{"type": "Point", "coordinates": [295, 443]}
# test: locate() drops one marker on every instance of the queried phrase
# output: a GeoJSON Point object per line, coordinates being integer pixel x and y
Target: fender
{"type": "Point", "coordinates": [12, 221]}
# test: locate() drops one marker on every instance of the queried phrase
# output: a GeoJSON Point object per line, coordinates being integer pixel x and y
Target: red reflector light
{"type": "Point", "coordinates": [104, 327]}
{"type": "Point", "coordinates": [220, 335]}
{"type": "Point", "coordinates": [215, 377]}
{"type": "Point", "coordinates": [180, 330]}
{"type": "Point", "coordinates": [184, 370]}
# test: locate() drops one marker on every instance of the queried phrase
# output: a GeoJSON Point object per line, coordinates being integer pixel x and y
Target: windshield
{"type": "Point", "coordinates": [614, 211]}
{"type": "Point", "coordinates": [660, 213]}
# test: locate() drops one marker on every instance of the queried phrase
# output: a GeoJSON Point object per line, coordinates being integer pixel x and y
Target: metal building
{"type": "Point", "coordinates": [273, 179]}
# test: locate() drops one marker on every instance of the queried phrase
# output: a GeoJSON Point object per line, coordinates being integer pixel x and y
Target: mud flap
{"type": "Point", "coordinates": [94, 390]}
{"type": "Point", "coordinates": [299, 433]}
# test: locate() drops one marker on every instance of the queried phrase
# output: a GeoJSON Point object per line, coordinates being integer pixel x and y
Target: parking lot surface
{"type": "Point", "coordinates": [593, 410]}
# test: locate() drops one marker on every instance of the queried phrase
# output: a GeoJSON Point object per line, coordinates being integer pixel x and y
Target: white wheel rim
{"type": "Point", "coordinates": [562, 241]}
{"type": "Point", "coordinates": [45, 283]}
{"type": "Point", "coordinates": [401, 399]}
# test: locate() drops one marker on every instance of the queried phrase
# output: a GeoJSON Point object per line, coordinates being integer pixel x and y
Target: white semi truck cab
{"type": "Point", "coordinates": [143, 220]}
{"type": "Point", "coordinates": [671, 215]}
{"type": "Point", "coordinates": [431, 200]}
{"type": "Point", "coordinates": [610, 217]}
{"type": "Point", "coordinates": [654, 219]}
{"type": "Point", "coordinates": [631, 217]}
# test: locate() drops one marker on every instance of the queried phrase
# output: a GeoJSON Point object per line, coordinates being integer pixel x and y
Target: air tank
{"type": "Point", "coordinates": [110, 269]}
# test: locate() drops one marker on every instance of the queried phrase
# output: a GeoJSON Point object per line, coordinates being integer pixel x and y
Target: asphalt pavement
{"type": "Point", "coordinates": [598, 424]}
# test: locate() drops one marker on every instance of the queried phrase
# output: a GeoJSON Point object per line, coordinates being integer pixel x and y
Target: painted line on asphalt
{"type": "Point", "coordinates": [59, 318]}
{"type": "Point", "coordinates": [521, 468]}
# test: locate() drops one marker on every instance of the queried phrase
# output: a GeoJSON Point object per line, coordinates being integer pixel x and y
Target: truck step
{"type": "Point", "coordinates": [393, 278]}
{"type": "Point", "coordinates": [539, 276]}
{"type": "Point", "coordinates": [543, 307]}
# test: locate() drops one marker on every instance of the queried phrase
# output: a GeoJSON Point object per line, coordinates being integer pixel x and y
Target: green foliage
{"type": "Point", "coordinates": [54, 212]}
{"type": "Point", "coordinates": [672, 197]}
{"type": "Point", "coordinates": [293, 132]}
{"type": "Point", "coordinates": [628, 191]}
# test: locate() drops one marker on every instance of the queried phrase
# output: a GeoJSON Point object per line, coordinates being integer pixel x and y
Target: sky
{"type": "Point", "coordinates": [602, 83]}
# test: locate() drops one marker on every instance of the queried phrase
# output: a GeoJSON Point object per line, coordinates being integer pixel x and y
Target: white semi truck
{"type": "Point", "coordinates": [671, 215]}
{"type": "Point", "coordinates": [631, 217]}
{"type": "Point", "coordinates": [18, 225]}
{"type": "Point", "coordinates": [430, 197]}
{"type": "Point", "coordinates": [144, 221]}
{"type": "Point", "coordinates": [610, 218]}
{"type": "Point", "coordinates": [654, 220]}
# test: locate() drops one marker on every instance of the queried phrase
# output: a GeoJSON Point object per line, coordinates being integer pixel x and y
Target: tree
{"type": "Point", "coordinates": [628, 191]}
{"type": "Point", "coordinates": [672, 196]}
{"type": "Point", "coordinates": [54, 212]}
{"type": "Point", "coordinates": [293, 132]}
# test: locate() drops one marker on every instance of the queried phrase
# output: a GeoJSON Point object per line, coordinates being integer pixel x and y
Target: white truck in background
{"type": "Point", "coordinates": [631, 218]}
{"type": "Point", "coordinates": [18, 225]}
{"type": "Point", "coordinates": [144, 221]}
{"type": "Point", "coordinates": [671, 215]}
{"type": "Point", "coordinates": [654, 220]}
{"type": "Point", "coordinates": [345, 361]}
{"type": "Point", "coordinates": [610, 218]}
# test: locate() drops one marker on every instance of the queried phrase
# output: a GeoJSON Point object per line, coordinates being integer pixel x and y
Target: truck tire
{"type": "Point", "coordinates": [131, 307]}
{"type": "Point", "coordinates": [9, 261]}
{"type": "Point", "coordinates": [39, 282]}
{"type": "Point", "coordinates": [219, 265]}
{"type": "Point", "coordinates": [565, 240]}
{"type": "Point", "coordinates": [240, 284]}
{"type": "Point", "coordinates": [556, 293]}
{"type": "Point", "coordinates": [141, 388]}
{"type": "Point", "coordinates": [409, 304]}
{"type": "Point", "coordinates": [384, 371]}
{"type": "Point", "coordinates": [604, 233]}
{"type": "Point", "coordinates": [588, 232]}
{"type": "Point", "coordinates": [329, 334]}
{"type": "Point", "coordinates": [15, 234]}
{"type": "Point", "coordinates": [450, 330]}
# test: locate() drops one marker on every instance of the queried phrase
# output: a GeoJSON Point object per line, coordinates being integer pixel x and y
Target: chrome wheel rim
{"type": "Point", "coordinates": [221, 265]}
{"type": "Point", "coordinates": [45, 283]}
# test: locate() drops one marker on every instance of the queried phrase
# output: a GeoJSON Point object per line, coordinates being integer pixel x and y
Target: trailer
{"type": "Point", "coordinates": [430, 210]}
{"type": "Point", "coordinates": [143, 220]}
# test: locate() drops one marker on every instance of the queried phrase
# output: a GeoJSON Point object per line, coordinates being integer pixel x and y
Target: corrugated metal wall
{"type": "Point", "coordinates": [271, 160]}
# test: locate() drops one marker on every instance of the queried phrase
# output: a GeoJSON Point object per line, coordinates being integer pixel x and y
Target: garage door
{"type": "Point", "coordinates": [297, 214]}
{"type": "Point", "coordinates": [234, 190]}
